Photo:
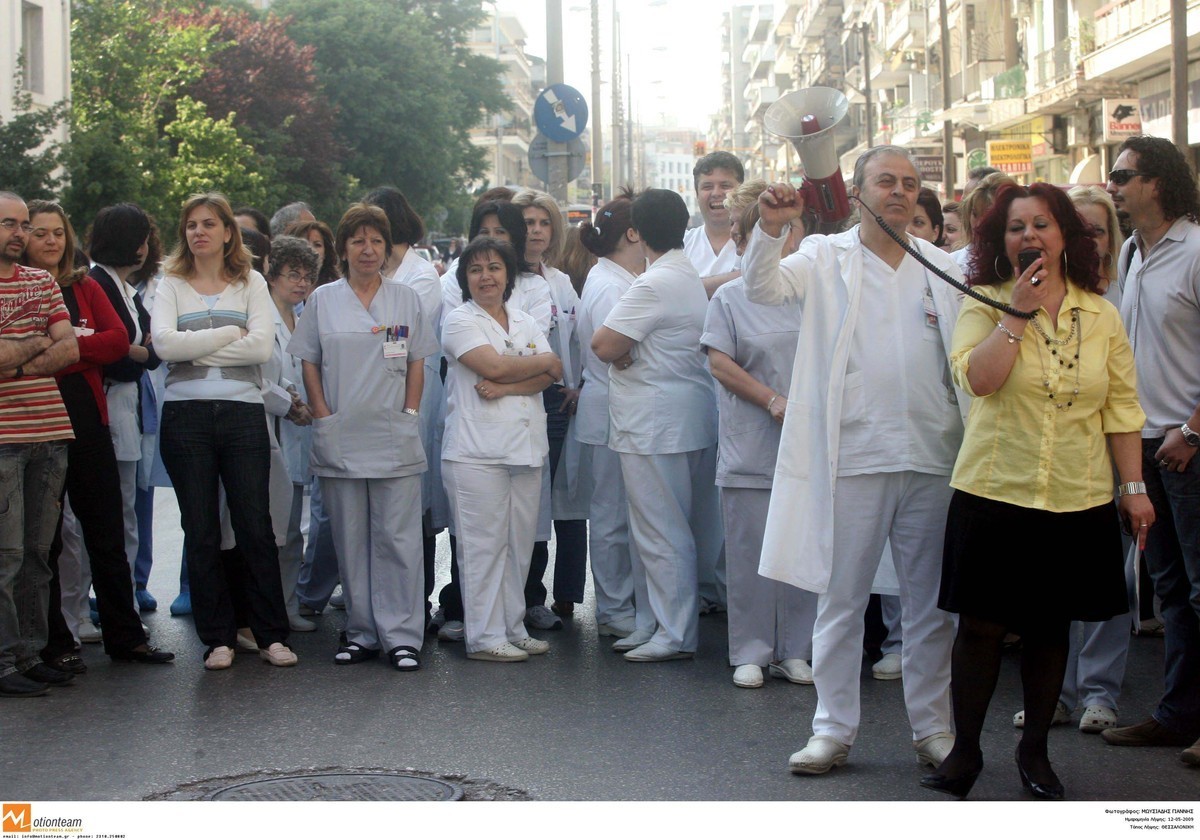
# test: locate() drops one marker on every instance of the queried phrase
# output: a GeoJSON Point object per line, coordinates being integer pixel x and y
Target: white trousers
{"type": "Point", "coordinates": [910, 509]}
{"type": "Point", "coordinates": [618, 576]}
{"type": "Point", "coordinates": [128, 470]}
{"type": "Point", "coordinates": [889, 607]}
{"type": "Point", "coordinates": [675, 521]}
{"type": "Point", "coordinates": [768, 620]}
{"type": "Point", "coordinates": [494, 509]}
{"type": "Point", "coordinates": [376, 525]}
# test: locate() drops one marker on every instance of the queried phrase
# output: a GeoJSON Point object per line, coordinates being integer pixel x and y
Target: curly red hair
{"type": "Point", "coordinates": [988, 255]}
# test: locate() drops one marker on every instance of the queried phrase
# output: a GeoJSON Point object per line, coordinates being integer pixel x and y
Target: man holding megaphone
{"type": "Point", "coordinates": [872, 413]}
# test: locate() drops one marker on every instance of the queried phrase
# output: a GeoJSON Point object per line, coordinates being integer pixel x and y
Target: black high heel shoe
{"type": "Point", "coordinates": [1050, 790]}
{"type": "Point", "coordinates": [956, 786]}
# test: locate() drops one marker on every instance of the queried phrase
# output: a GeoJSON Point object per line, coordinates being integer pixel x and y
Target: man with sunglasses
{"type": "Point", "coordinates": [36, 340]}
{"type": "Point", "coordinates": [1159, 273]}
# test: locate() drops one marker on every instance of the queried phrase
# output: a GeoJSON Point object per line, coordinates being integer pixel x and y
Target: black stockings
{"type": "Point", "coordinates": [975, 667]}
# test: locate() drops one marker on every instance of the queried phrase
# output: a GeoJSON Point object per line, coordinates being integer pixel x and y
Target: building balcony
{"type": "Point", "coordinates": [816, 17]}
{"type": "Point", "coordinates": [760, 60]}
{"type": "Point", "coordinates": [1007, 84]}
{"type": "Point", "coordinates": [761, 22]}
{"type": "Point", "coordinates": [905, 27]}
{"type": "Point", "coordinates": [1134, 36]}
{"type": "Point", "coordinates": [759, 98]}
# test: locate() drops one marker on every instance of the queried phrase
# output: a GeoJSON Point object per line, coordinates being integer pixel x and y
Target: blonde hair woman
{"type": "Point", "coordinates": [214, 325]}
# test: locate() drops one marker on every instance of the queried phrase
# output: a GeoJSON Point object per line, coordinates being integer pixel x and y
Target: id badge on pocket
{"type": "Point", "coordinates": [396, 349]}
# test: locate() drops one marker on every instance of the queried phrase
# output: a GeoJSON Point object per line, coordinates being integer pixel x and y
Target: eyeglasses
{"type": "Point", "coordinates": [13, 224]}
{"type": "Point", "coordinates": [297, 277]}
{"type": "Point", "coordinates": [1121, 177]}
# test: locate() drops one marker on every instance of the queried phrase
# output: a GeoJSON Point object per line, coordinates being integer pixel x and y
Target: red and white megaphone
{"type": "Point", "coordinates": [807, 118]}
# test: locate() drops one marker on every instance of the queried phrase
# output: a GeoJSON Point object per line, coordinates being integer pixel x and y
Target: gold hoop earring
{"type": "Point", "coordinates": [996, 265]}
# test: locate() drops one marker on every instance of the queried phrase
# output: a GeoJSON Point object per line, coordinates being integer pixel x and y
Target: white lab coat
{"type": "Point", "coordinates": [825, 277]}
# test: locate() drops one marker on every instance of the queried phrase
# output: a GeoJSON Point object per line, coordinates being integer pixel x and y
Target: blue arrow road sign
{"type": "Point", "coordinates": [560, 113]}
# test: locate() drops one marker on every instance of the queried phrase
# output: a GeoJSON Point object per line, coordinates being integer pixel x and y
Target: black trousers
{"type": "Point", "coordinates": [94, 488]}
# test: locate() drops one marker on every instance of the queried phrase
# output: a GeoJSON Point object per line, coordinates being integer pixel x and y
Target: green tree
{"type": "Point", "coordinates": [406, 88]}
{"type": "Point", "coordinates": [27, 161]}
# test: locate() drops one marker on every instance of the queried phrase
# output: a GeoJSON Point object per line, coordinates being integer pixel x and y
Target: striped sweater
{"type": "Point", "coordinates": [31, 409]}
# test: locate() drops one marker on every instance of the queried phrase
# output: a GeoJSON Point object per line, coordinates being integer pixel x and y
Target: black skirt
{"type": "Point", "coordinates": [1021, 566]}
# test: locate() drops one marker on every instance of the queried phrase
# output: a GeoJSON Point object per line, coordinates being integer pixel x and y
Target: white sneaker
{"type": "Point", "coordinates": [634, 640]}
{"type": "Point", "coordinates": [452, 631]}
{"type": "Point", "coordinates": [338, 599]}
{"type": "Point", "coordinates": [887, 668]}
{"type": "Point", "coordinates": [279, 655]}
{"type": "Point", "coordinates": [1097, 719]}
{"type": "Point", "coordinates": [793, 670]}
{"type": "Point", "coordinates": [541, 618]}
{"type": "Point", "coordinates": [89, 633]}
{"type": "Point", "coordinates": [619, 628]}
{"type": "Point", "coordinates": [820, 756]}
{"type": "Point", "coordinates": [531, 645]}
{"type": "Point", "coordinates": [502, 653]}
{"type": "Point", "coordinates": [748, 676]}
{"type": "Point", "coordinates": [1061, 715]}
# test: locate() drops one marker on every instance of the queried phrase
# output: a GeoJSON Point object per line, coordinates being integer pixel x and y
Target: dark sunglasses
{"type": "Point", "coordinates": [1121, 177]}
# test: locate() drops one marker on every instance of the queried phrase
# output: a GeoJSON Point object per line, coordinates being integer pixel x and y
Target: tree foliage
{"type": "Point", "coordinates": [406, 87]}
{"type": "Point", "coordinates": [27, 161]}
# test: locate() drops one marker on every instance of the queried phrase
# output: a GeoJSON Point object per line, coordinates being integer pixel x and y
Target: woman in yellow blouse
{"type": "Point", "coordinates": [1032, 541]}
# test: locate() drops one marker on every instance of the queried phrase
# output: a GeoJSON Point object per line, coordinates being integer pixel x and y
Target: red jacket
{"type": "Point", "coordinates": [109, 343]}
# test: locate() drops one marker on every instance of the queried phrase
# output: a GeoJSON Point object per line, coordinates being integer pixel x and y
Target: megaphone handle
{"type": "Point", "coordinates": [919, 257]}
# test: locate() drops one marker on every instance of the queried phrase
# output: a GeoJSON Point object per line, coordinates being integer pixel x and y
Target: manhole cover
{"type": "Point", "coordinates": [341, 787]}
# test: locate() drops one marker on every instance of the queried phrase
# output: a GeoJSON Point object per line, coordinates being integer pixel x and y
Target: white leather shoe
{"type": "Point", "coordinates": [279, 655]}
{"type": "Point", "coordinates": [219, 658]}
{"type": "Point", "coordinates": [299, 624]}
{"type": "Point", "coordinates": [820, 756]}
{"type": "Point", "coordinates": [634, 640]}
{"type": "Point", "coordinates": [793, 670]}
{"type": "Point", "coordinates": [501, 653]}
{"type": "Point", "coordinates": [748, 676]}
{"type": "Point", "coordinates": [933, 749]}
{"type": "Point", "coordinates": [1097, 719]}
{"type": "Point", "coordinates": [887, 668]}
{"type": "Point", "coordinates": [620, 629]}
{"type": "Point", "coordinates": [654, 652]}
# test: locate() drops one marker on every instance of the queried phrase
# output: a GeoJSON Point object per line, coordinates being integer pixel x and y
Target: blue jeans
{"type": "Point", "coordinates": [1173, 558]}
{"type": "Point", "coordinates": [211, 443]}
{"type": "Point", "coordinates": [31, 481]}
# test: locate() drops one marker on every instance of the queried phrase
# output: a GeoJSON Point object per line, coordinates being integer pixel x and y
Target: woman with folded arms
{"type": "Point", "coordinates": [495, 443]}
{"type": "Point", "coordinates": [213, 323]}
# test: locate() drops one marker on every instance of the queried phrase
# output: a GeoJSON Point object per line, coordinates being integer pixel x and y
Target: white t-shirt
{"type": "Point", "coordinates": [510, 430]}
{"type": "Point", "coordinates": [706, 261]}
{"type": "Point", "coordinates": [664, 402]}
{"type": "Point", "coordinates": [898, 409]}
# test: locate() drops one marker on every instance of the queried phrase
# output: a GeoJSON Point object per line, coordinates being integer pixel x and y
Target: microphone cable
{"type": "Point", "coordinates": [919, 257]}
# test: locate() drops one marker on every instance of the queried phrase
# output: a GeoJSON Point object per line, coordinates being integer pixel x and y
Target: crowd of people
{"type": "Point", "coordinates": [956, 407]}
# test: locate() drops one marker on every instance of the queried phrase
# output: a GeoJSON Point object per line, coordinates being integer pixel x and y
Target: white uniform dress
{"type": "Point", "coordinates": [368, 454]}
{"type": "Point", "coordinates": [492, 459]}
{"type": "Point", "coordinates": [872, 412]}
{"type": "Point", "coordinates": [664, 424]}
{"type": "Point", "coordinates": [768, 620]}
{"type": "Point", "coordinates": [617, 572]}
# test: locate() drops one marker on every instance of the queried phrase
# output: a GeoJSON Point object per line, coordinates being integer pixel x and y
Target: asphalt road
{"type": "Point", "coordinates": [576, 724]}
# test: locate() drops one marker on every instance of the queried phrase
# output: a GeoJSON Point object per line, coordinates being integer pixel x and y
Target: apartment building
{"type": "Point", "coordinates": [39, 32]}
{"type": "Point", "coordinates": [506, 136]}
{"type": "Point", "coordinates": [1058, 82]}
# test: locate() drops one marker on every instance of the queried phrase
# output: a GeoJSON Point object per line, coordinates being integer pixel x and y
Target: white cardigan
{"type": "Point", "coordinates": [223, 346]}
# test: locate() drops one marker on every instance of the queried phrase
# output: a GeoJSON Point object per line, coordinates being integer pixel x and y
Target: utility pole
{"type": "Point", "coordinates": [1179, 76]}
{"type": "Point", "coordinates": [616, 105]}
{"type": "Point", "coordinates": [865, 31]}
{"type": "Point", "coordinates": [554, 76]}
{"type": "Point", "coordinates": [947, 126]}
{"type": "Point", "coordinates": [597, 138]}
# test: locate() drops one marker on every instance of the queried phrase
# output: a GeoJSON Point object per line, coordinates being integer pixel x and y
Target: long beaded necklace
{"type": "Point", "coordinates": [1054, 344]}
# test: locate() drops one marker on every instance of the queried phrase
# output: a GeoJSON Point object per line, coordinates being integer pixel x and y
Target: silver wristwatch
{"type": "Point", "coordinates": [1132, 488]}
{"type": "Point", "coordinates": [1191, 437]}
{"type": "Point", "coordinates": [412, 411]}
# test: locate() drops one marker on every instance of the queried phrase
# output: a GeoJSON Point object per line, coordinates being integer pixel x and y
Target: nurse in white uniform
{"type": "Point", "coordinates": [664, 424]}
{"type": "Point", "coordinates": [499, 363]}
{"type": "Point", "coordinates": [617, 572]}
{"type": "Point", "coordinates": [363, 343]}
{"type": "Point", "coordinates": [751, 349]}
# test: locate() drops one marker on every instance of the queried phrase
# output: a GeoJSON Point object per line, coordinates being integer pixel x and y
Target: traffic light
{"type": "Point", "coordinates": [700, 148]}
